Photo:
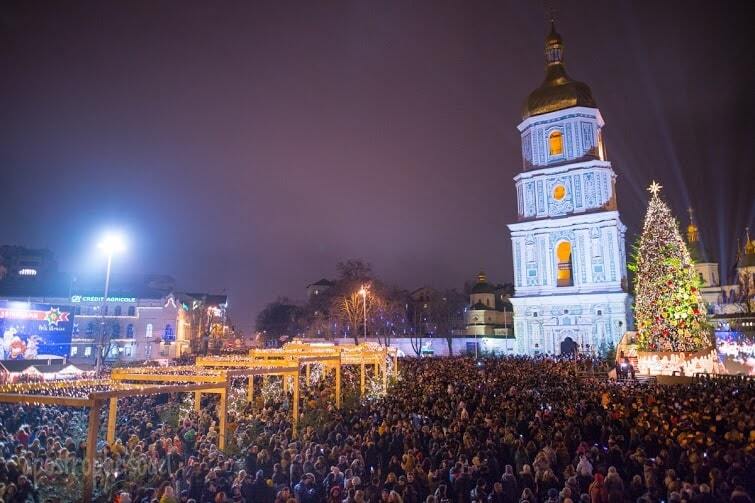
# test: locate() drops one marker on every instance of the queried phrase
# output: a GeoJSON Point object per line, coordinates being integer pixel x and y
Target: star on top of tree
{"type": "Point", "coordinates": [655, 188]}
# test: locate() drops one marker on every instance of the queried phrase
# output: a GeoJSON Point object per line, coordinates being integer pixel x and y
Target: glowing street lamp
{"type": "Point", "coordinates": [110, 244]}
{"type": "Point", "coordinates": [363, 292]}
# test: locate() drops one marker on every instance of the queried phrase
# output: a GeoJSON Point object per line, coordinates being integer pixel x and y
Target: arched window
{"type": "Point", "coordinates": [556, 143]}
{"type": "Point", "coordinates": [118, 310]}
{"type": "Point", "coordinates": [131, 311]}
{"type": "Point", "coordinates": [564, 264]}
{"type": "Point", "coordinates": [148, 331]}
{"type": "Point", "coordinates": [130, 330]}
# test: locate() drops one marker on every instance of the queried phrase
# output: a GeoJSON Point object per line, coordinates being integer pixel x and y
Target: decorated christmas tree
{"type": "Point", "coordinates": [668, 308]}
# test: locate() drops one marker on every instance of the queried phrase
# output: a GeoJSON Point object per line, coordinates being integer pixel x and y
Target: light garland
{"type": "Point", "coordinates": [272, 391]}
{"type": "Point", "coordinates": [316, 373]}
{"type": "Point", "coordinates": [374, 388]}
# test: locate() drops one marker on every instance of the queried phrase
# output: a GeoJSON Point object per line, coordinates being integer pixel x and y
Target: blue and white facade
{"type": "Point", "coordinates": [570, 270]}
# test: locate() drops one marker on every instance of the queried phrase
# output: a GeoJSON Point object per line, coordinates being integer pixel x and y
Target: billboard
{"type": "Point", "coordinates": [34, 331]}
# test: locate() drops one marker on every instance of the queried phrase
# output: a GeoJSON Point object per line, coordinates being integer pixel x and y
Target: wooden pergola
{"type": "Point", "coordinates": [221, 379]}
{"type": "Point", "coordinates": [92, 394]}
{"type": "Point", "coordinates": [277, 360]}
{"type": "Point", "coordinates": [351, 354]}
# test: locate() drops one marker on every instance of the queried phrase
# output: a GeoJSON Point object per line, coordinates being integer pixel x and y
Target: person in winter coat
{"type": "Point", "coordinates": [597, 490]}
{"type": "Point", "coordinates": [509, 485]}
{"type": "Point", "coordinates": [614, 485]}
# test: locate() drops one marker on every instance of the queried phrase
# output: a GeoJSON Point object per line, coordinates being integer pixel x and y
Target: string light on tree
{"type": "Point", "coordinates": [668, 306]}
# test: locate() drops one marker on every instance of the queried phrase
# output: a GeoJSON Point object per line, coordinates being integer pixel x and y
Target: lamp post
{"type": "Point", "coordinates": [363, 293]}
{"type": "Point", "coordinates": [110, 244]}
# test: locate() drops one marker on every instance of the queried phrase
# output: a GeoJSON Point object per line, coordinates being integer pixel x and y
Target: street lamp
{"type": "Point", "coordinates": [110, 244]}
{"type": "Point", "coordinates": [363, 293]}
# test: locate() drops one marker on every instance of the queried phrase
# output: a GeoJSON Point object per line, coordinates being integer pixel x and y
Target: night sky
{"type": "Point", "coordinates": [248, 147]}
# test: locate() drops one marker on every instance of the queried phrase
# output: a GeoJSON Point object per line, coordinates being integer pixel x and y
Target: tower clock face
{"type": "Point", "coordinates": [559, 192]}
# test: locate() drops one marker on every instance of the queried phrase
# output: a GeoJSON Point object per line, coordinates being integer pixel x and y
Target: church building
{"type": "Point", "coordinates": [570, 271]}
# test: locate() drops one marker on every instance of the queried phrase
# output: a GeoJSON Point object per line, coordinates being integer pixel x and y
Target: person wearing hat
{"type": "Point", "coordinates": [305, 490]}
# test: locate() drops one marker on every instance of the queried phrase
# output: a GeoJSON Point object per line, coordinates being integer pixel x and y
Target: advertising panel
{"type": "Point", "coordinates": [34, 331]}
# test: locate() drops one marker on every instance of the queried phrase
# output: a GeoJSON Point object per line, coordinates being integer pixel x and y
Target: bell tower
{"type": "Point", "coordinates": [570, 272]}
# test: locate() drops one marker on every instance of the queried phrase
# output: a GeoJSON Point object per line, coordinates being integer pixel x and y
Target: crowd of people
{"type": "Point", "coordinates": [501, 430]}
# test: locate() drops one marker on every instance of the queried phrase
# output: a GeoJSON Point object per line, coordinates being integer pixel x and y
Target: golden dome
{"type": "Point", "coordinates": [558, 90]}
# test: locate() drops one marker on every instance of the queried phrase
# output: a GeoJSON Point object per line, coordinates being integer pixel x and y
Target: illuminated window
{"type": "Point", "coordinates": [148, 332]}
{"type": "Point", "coordinates": [559, 191]}
{"type": "Point", "coordinates": [74, 350]}
{"type": "Point", "coordinates": [27, 272]}
{"type": "Point", "coordinates": [556, 143]}
{"type": "Point", "coordinates": [88, 351]}
{"type": "Point", "coordinates": [563, 258]}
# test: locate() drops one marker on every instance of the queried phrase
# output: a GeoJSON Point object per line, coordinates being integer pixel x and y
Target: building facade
{"type": "Point", "coordinates": [570, 272]}
{"type": "Point", "coordinates": [138, 328]}
{"type": "Point", "coordinates": [736, 293]}
{"type": "Point", "coordinates": [143, 317]}
{"type": "Point", "coordinates": [489, 313]}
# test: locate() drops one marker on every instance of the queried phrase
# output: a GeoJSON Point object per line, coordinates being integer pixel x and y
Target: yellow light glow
{"type": "Point", "coordinates": [556, 143]}
{"type": "Point", "coordinates": [559, 191]}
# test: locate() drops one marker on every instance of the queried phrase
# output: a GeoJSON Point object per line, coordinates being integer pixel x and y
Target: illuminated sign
{"type": "Point", "coordinates": [90, 298]}
{"type": "Point", "coordinates": [34, 331]}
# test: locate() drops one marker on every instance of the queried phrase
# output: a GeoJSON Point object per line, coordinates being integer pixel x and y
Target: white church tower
{"type": "Point", "coordinates": [570, 271]}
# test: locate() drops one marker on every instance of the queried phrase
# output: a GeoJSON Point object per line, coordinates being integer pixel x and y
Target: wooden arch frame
{"type": "Point", "coordinates": [25, 394]}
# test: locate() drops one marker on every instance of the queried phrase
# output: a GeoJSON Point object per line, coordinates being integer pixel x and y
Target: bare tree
{"type": "Point", "coordinates": [352, 307]}
{"type": "Point", "coordinates": [390, 319]}
{"type": "Point", "coordinates": [745, 296]}
{"type": "Point", "coordinates": [354, 270]}
{"type": "Point", "coordinates": [447, 312]}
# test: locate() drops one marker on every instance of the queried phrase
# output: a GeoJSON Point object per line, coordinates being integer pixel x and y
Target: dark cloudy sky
{"type": "Point", "coordinates": [248, 146]}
